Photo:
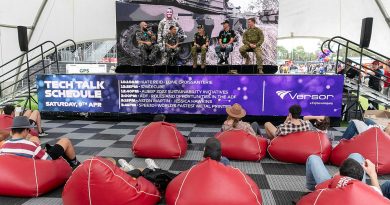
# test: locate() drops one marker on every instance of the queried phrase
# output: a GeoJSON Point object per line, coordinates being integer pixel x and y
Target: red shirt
{"type": "Point", "coordinates": [6, 122]}
{"type": "Point", "coordinates": [387, 83]}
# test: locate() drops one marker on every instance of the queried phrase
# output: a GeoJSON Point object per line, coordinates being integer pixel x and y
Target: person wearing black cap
{"type": "Point", "coordinates": [201, 44]}
{"type": "Point", "coordinates": [18, 145]}
{"type": "Point", "coordinates": [225, 43]}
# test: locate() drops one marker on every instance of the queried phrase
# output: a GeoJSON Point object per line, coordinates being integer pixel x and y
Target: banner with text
{"type": "Point", "coordinates": [267, 95]}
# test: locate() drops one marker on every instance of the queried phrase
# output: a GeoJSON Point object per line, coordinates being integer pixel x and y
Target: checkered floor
{"type": "Point", "coordinates": [279, 182]}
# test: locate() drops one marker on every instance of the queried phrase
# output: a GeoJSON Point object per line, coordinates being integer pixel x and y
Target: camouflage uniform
{"type": "Point", "coordinates": [145, 49]}
{"type": "Point", "coordinates": [253, 36]}
{"type": "Point", "coordinates": [171, 53]}
{"type": "Point", "coordinates": [200, 40]}
{"type": "Point", "coordinates": [163, 30]}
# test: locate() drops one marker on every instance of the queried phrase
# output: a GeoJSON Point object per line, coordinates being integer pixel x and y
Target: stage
{"type": "Point", "coordinates": [187, 69]}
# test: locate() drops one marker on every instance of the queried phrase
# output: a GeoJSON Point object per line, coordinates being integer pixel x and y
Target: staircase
{"type": "Point", "coordinates": [353, 88]}
{"type": "Point", "coordinates": [18, 83]}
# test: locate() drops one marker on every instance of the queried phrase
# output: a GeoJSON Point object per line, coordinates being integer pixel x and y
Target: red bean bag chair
{"type": "Point", "coordinates": [343, 190]}
{"type": "Point", "coordinates": [99, 182]}
{"type": "Point", "coordinates": [212, 183]}
{"type": "Point", "coordinates": [372, 144]}
{"type": "Point", "coordinates": [26, 177]}
{"type": "Point", "coordinates": [240, 145]}
{"type": "Point", "coordinates": [159, 140]}
{"type": "Point", "coordinates": [297, 147]}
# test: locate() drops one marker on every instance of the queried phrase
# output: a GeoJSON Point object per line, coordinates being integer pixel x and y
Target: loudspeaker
{"type": "Point", "coordinates": [22, 36]}
{"type": "Point", "coordinates": [365, 35]}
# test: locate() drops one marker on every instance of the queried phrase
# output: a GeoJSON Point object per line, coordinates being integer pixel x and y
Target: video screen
{"type": "Point", "coordinates": [144, 30]}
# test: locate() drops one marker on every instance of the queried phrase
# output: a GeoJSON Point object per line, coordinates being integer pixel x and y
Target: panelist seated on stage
{"type": "Point", "coordinates": [253, 38]}
{"type": "Point", "coordinates": [225, 43]}
{"type": "Point", "coordinates": [146, 40]}
{"type": "Point", "coordinates": [172, 48]}
{"type": "Point", "coordinates": [201, 44]}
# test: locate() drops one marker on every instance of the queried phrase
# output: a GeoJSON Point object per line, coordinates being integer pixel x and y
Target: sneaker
{"type": "Point", "coordinates": [151, 164]}
{"type": "Point", "coordinates": [221, 60]}
{"type": "Point", "coordinates": [126, 166]}
{"type": "Point", "coordinates": [42, 134]}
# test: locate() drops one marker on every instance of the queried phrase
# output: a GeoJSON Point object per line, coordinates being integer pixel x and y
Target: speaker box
{"type": "Point", "coordinates": [22, 36]}
{"type": "Point", "coordinates": [365, 36]}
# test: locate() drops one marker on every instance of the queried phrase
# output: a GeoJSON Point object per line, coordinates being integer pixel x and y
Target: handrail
{"type": "Point", "coordinates": [346, 45]}
{"type": "Point", "coordinates": [42, 54]}
{"type": "Point", "coordinates": [54, 45]}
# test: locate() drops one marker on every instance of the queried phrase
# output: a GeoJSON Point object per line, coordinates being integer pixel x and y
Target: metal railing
{"type": "Point", "coordinates": [35, 57]}
{"type": "Point", "coordinates": [360, 67]}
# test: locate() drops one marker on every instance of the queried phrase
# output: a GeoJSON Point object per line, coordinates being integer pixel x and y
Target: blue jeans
{"type": "Point", "coordinates": [317, 173]}
{"type": "Point", "coordinates": [227, 50]}
{"type": "Point", "coordinates": [225, 161]}
{"type": "Point", "coordinates": [385, 187]}
{"type": "Point", "coordinates": [351, 130]}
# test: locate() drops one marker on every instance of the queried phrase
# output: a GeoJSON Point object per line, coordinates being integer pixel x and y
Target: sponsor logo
{"type": "Point", "coordinates": [295, 96]}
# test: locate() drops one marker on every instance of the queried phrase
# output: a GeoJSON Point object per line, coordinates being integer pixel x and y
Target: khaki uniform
{"type": "Point", "coordinates": [253, 36]}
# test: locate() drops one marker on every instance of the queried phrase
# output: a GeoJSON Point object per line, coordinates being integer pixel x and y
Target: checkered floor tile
{"type": "Point", "coordinates": [279, 182]}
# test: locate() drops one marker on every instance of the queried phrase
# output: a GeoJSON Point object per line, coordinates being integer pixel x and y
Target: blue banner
{"type": "Point", "coordinates": [267, 95]}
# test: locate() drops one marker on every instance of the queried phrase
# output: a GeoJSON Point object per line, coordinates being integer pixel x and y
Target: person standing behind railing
{"type": "Point", "coordinates": [386, 85]}
{"type": "Point", "coordinates": [374, 83]}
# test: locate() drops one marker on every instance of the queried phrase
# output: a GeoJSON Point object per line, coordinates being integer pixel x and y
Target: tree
{"type": "Point", "coordinates": [282, 52]}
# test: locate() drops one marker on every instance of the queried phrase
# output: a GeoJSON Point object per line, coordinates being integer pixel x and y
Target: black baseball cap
{"type": "Point", "coordinates": [226, 21]}
{"type": "Point", "coordinates": [200, 26]}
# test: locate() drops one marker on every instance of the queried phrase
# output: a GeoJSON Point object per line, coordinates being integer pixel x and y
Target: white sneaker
{"type": "Point", "coordinates": [151, 164]}
{"type": "Point", "coordinates": [126, 166]}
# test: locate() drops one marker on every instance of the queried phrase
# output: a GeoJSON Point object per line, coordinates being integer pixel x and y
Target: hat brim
{"type": "Point", "coordinates": [31, 126]}
{"type": "Point", "coordinates": [241, 115]}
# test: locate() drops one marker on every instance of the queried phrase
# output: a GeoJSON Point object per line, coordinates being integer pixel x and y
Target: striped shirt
{"type": "Point", "coordinates": [24, 148]}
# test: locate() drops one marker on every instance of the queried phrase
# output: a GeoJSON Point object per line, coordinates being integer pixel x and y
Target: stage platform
{"type": "Point", "coordinates": [187, 69]}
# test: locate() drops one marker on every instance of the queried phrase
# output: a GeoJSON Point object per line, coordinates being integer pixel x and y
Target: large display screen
{"type": "Point", "coordinates": [186, 15]}
{"type": "Point", "coordinates": [260, 95]}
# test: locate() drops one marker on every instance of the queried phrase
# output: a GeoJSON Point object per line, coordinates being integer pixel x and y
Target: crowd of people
{"type": "Point", "coordinates": [170, 36]}
{"type": "Point", "coordinates": [17, 140]}
{"type": "Point", "coordinates": [306, 67]}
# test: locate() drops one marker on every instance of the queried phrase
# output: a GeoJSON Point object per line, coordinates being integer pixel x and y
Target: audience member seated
{"type": "Point", "coordinates": [292, 124]}
{"type": "Point", "coordinates": [373, 144]}
{"type": "Point", "coordinates": [210, 182]}
{"type": "Point", "coordinates": [357, 126]}
{"type": "Point", "coordinates": [355, 167]}
{"type": "Point", "coordinates": [234, 122]}
{"type": "Point", "coordinates": [159, 139]}
{"type": "Point", "coordinates": [9, 114]}
{"type": "Point", "coordinates": [98, 181]}
{"type": "Point", "coordinates": [320, 123]}
{"type": "Point", "coordinates": [20, 146]}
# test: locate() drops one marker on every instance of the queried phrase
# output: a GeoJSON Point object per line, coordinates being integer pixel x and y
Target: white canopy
{"type": "Point", "coordinates": [86, 20]}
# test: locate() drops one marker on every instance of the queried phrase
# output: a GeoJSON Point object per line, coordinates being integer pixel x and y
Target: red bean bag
{"type": "Point", "coordinates": [99, 182]}
{"type": "Point", "coordinates": [26, 177]}
{"type": "Point", "coordinates": [343, 190]}
{"type": "Point", "coordinates": [240, 145]}
{"type": "Point", "coordinates": [372, 144]}
{"type": "Point", "coordinates": [211, 182]}
{"type": "Point", "coordinates": [297, 147]}
{"type": "Point", "coordinates": [159, 140]}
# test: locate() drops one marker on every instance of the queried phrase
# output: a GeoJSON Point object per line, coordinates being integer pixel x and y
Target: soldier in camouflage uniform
{"type": "Point", "coordinates": [163, 28]}
{"type": "Point", "coordinates": [201, 44]}
{"type": "Point", "coordinates": [147, 43]}
{"type": "Point", "coordinates": [171, 46]}
{"type": "Point", "coordinates": [253, 38]}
